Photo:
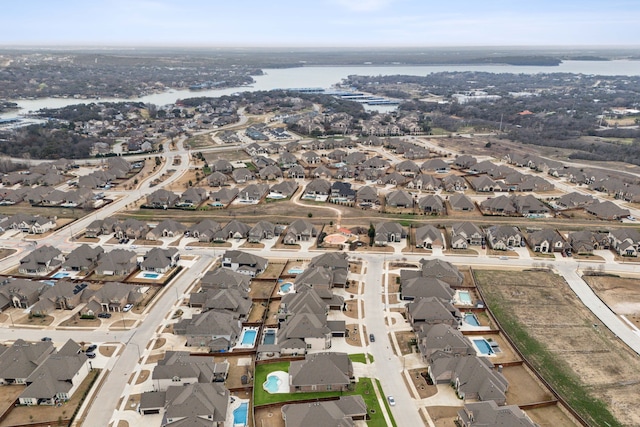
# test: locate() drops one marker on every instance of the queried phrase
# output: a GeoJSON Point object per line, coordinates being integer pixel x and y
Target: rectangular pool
{"type": "Point", "coordinates": [483, 346]}
{"type": "Point", "coordinates": [249, 337]}
{"type": "Point", "coordinates": [465, 297]}
{"type": "Point", "coordinates": [296, 270]}
{"type": "Point", "coordinates": [240, 415]}
{"type": "Point", "coordinates": [269, 337]}
{"type": "Point", "coordinates": [150, 275]}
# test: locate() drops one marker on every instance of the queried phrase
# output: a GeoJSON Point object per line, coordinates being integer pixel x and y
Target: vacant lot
{"type": "Point", "coordinates": [583, 360]}
{"type": "Point", "coordinates": [621, 294]}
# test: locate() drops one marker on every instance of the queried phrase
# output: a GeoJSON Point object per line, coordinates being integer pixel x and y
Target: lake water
{"type": "Point", "coordinates": [325, 77]}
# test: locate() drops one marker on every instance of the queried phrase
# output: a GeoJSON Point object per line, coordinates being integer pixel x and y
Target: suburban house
{"type": "Point", "coordinates": [214, 329]}
{"type": "Point", "coordinates": [501, 205]}
{"type": "Point", "coordinates": [607, 210]}
{"type": "Point", "coordinates": [426, 287]}
{"type": "Point", "coordinates": [244, 262]}
{"type": "Point", "coordinates": [83, 258]}
{"type": "Point", "coordinates": [199, 404]}
{"type": "Point", "coordinates": [225, 278]}
{"type": "Point", "coordinates": [179, 368]}
{"type": "Point", "coordinates": [223, 197]}
{"type": "Point", "coordinates": [118, 262]}
{"type": "Point", "coordinates": [299, 230]}
{"type": "Point", "coordinates": [321, 372]}
{"type": "Point", "coordinates": [437, 268]}
{"type": "Point", "coordinates": [41, 260]}
{"type": "Point", "coordinates": [112, 296]}
{"type": "Point", "coordinates": [160, 260]}
{"type": "Point", "coordinates": [221, 165]}
{"type": "Point", "coordinates": [546, 240]}
{"type": "Point", "coordinates": [367, 195]}
{"type": "Point", "coordinates": [217, 179]}
{"type": "Point", "coordinates": [501, 237]}
{"type": "Point", "coordinates": [432, 204]}
{"type": "Point", "coordinates": [399, 199]}
{"type": "Point", "coordinates": [574, 200]}
{"type": "Point", "coordinates": [435, 339]}
{"type": "Point", "coordinates": [64, 295]}
{"type": "Point", "coordinates": [625, 241]}
{"type": "Point", "coordinates": [261, 231]}
{"type": "Point", "coordinates": [428, 237]}
{"type": "Point", "coordinates": [162, 199]}
{"type": "Point", "coordinates": [388, 232]}
{"type": "Point", "coordinates": [472, 377]}
{"type": "Point", "coordinates": [318, 187]}
{"type": "Point", "coordinates": [30, 224]}
{"type": "Point", "coordinates": [234, 229]}
{"type": "Point", "coordinates": [204, 230]}
{"type": "Point", "coordinates": [585, 241]}
{"type": "Point", "coordinates": [130, 228]}
{"type": "Point", "coordinates": [435, 165]}
{"type": "Point", "coordinates": [234, 300]}
{"type": "Point", "coordinates": [166, 228]}
{"type": "Point", "coordinates": [461, 203]}
{"type": "Point", "coordinates": [57, 378]}
{"type": "Point", "coordinates": [192, 197]}
{"type": "Point", "coordinates": [480, 414]}
{"type": "Point", "coordinates": [464, 234]}
{"type": "Point", "coordinates": [484, 184]}
{"type": "Point", "coordinates": [242, 175]}
{"type": "Point", "coordinates": [424, 182]}
{"type": "Point", "coordinates": [282, 190]}
{"type": "Point", "coordinates": [453, 183]}
{"type": "Point", "coordinates": [432, 311]}
{"type": "Point", "coordinates": [342, 412]}
{"type": "Point", "coordinates": [20, 360]}
{"type": "Point", "coordinates": [253, 193]}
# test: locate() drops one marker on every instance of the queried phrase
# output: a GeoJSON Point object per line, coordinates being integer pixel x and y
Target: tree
{"type": "Point", "coordinates": [371, 233]}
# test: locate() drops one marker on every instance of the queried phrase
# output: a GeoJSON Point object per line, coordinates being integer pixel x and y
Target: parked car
{"type": "Point", "coordinates": [90, 354]}
{"type": "Point", "coordinates": [127, 307]}
{"type": "Point", "coordinates": [392, 401]}
{"type": "Point", "coordinates": [104, 315]}
{"type": "Point", "coordinates": [91, 348]}
{"type": "Point", "coordinates": [372, 338]}
{"type": "Point", "coordinates": [45, 339]}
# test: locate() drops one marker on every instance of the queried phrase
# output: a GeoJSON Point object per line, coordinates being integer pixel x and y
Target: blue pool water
{"type": "Point", "coordinates": [249, 337]}
{"type": "Point", "coordinates": [269, 337]}
{"type": "Point", "coordinates": [150, 275]}
{"type": "Point", "coordinates": [471, 319]}
{"type": "Point", "coordinates": [240, 415]}
{"type": "Point", "coordinates": [483, 346]}
{"type": "Point", "coordinates": [285, 287]}
{"type": "Point", "coordinates": [465, 297]}
{"type": "Point", "coordinates": [271, 385]}
{"type": "Point", "coordinates": [295, 270]}
{"type": "Point", "coordinates": [61, 275]}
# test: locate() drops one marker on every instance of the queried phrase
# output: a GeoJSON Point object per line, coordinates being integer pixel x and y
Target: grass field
{"type": "Point", "coordinates": [554, 332]}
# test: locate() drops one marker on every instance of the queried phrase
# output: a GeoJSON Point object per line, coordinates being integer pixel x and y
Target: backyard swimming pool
{"type": "Point", "coordinates": [471, 319]}
{"type": "Point", "coordinates": [465, 297]}
{"type": "Point", "coordinates": [249, 337]}
{"type": "Point", "coordinates": [286, 287]}
{"type": "Point", "coordinates": [269, 337]}
{"type": "Point", "coordinates": [484, 347]}
{"type": "Point", "coordinates": [61, 275]}
{"type": "Point", "coordinates": [277, 382]}
{"type": "Point", "coordinates": [240, 415]}
{"type": "Point", "coordinates": [295, 270]}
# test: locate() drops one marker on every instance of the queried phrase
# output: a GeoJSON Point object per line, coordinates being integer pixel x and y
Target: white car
{"type": "Point", "coordinates": [392, 401]}
{"type": "Point", "coordinates": [127, 307]}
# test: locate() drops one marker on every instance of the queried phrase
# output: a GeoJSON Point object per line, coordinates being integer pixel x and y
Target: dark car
{"type": "Point", "coordinates": [90, 354]}
{"type": "Point", "coordinates": [372, 338]}
{"type": "Point", "coordinates": [104, 315]}
{"type": "Point", "coordinates": [91, 348]}
{"type": "Point", "coordinates": [45, 339]}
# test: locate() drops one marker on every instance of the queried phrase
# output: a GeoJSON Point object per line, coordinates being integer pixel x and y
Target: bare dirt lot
{"type": "Point", "coordinates": [621, 294]}
{"type": "Point", "coordinates": [550, 312]}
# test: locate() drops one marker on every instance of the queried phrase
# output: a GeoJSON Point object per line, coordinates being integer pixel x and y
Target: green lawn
{"type": "Point", "coordinates": [364, 388]}
{"type": "Point", "coordinates": [360, 358]}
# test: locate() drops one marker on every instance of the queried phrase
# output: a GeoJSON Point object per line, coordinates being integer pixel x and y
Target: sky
{"type": "Point", "coordinates": [320, 23]}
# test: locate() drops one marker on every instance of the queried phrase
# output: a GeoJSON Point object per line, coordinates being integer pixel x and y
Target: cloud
{"type": "Point", "coordinates": [363, 5]}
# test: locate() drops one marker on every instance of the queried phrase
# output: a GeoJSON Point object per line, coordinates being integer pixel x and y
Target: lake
{"type": "Point", "coordinates": [325, 77]}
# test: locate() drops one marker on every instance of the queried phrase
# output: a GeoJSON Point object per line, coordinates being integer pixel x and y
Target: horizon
{"type": "Point", "coordinates": [321, 24]}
